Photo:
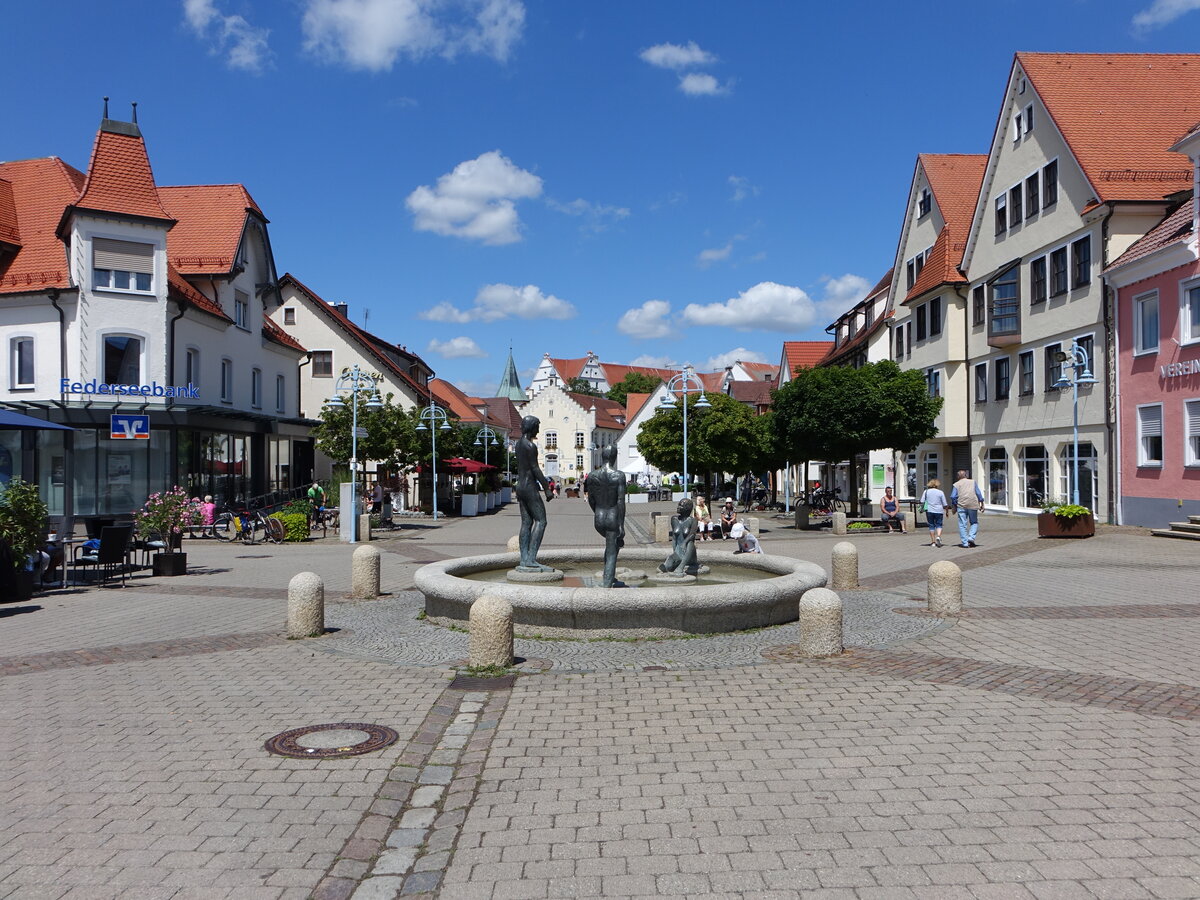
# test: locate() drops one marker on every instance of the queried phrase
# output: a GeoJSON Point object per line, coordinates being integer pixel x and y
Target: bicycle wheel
{"type": "Point", "coordinates": [224, 529]}
{"type": "Point", "coordinates": [275, 532]}
{"type": "Point", "coordinates": [250, 528]}
{"type": "Point", "coordinates": [839, 505]}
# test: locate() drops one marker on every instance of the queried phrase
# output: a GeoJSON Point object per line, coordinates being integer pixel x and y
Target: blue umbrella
{"type": "Point", "coordinates": [10, 419]}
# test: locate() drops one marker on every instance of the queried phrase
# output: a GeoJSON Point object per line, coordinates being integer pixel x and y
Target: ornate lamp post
{"type": "Point", "coordinates": [686, 382]}
{"type": "Point", "coordinates": [434, 414]}
{"type": "Point", "coordinates": [485, 438]}
{"type": "Point", "coordinates": [1076, 359]}
{"type": "Point", "coordinates": [351, 382]}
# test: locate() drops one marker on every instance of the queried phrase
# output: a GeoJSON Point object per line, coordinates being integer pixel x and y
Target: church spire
{"type": "Point", "coordinates": [510, 383]}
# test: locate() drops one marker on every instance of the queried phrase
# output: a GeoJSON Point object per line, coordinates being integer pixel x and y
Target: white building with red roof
{"type": "Point", "coordinates": [574, 429]}
{"type": "Point", "coordinates": [137, 315]}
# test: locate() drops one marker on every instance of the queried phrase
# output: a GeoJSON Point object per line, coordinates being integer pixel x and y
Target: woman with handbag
{"type": "Point", "coordinates": [933, 501]}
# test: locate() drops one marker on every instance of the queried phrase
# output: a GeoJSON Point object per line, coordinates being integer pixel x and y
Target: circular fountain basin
{"type": "Point", "coordinates": [740, 591]}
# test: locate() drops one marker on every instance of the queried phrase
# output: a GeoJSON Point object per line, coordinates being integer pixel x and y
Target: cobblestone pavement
{"type": "Point", "coordinates": [1043, 744]}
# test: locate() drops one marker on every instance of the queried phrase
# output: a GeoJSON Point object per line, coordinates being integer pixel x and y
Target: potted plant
{"type": "Point", "coordinates": [167, 514]}
{"type": "Point", "coordinates": [635, 494]}
{"type": "Point", "coordinates": [506, 491]}
{"type": "Point", "coordinates": [1059, 519]}
{"type": "Point", "coordinates": [470, 499]}
{"type": "Point", "coordinates": [22, 526]}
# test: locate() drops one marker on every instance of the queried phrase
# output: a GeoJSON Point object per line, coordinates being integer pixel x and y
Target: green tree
{"type": "Point", "coordinates": [580, 385]}
{"type": "Point", "coordinates": [633, 383]}
{"type": "Point", "coordinates": [391, 435]}
{"type": "Point", "coordinates": [836, 413]}
{"type": "Point", "coordinates": [722, 438]}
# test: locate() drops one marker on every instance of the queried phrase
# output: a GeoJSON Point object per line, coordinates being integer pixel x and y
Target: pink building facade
{"type": "Point", "coordinates": [1157, 287]}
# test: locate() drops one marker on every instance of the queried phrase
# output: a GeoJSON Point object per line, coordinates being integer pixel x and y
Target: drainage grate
{"type": "Point", "coordinates": [470, 683]}
{"type": "Point", "coordinates": [288, 743]}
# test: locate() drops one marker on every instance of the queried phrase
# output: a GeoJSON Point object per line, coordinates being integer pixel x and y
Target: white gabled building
{"type": "Point", "coordinates": [574, 428]}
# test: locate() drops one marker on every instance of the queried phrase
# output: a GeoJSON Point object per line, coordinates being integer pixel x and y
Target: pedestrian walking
{"type": "Point", "coordinates": [967, 499]}
{"type": "Point", "coordinates": [934, 502]}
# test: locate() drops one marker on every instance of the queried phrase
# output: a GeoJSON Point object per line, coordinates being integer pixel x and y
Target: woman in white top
{"type": "Point", "coordinates": [935, 510]}
{"type": "Point", "coordinates": [703, 518]}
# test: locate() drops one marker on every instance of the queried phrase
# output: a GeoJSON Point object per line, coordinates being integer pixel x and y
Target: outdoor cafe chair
{"type": "Point", "coordinates": [110, 557]}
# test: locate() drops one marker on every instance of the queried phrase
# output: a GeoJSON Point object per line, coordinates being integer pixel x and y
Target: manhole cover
{"type": "Point", "coordinates": [470, 683]}
{"type": "Point", "coordinates": [331, 741]}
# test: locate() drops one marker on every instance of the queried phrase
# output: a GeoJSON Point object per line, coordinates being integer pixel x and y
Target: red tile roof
{"type": "Point", "coordinates": [942, 266]}
{"type": "Point", "coordinates": [954, 180]}
{"type": "Point", "coordinates": [758, 368]}
{"type": "Point", "coordinates": [179, 288]}
{"type": "Point", "coordinates": [712, 381]}
{"type": "Point", "coordinates": [614, 373]}
{"type": "Point", "coordinates": [607, 411]}
{"type": "Point", "coordinates": [634, 404]}
{"type": "Point", "coordinates": [10, 233]}
{"type": "Point", "coordinates": [1119, 114]}
{"type": "Point", "coordinates": [757, 393]}
{"type": "Point", "coordinates": [456, 402]}
{"type": "Point", "coordinates": [1174, 228]}
{"type": "Point", "coordinates": [42, 189]}
{"type": "Point", "coordinates": [805, 354]}
{"type": "Point", "coordinates": [119, 178]}
{"type": "Point", "coordinates": [273, 332]}
{"type": "Point", "coordinates": [210, 221]}
{"type": "Point", "coordinates": [364, 340]}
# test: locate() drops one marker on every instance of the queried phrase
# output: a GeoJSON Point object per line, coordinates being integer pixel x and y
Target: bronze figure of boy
{"type": "Point", "coordinates": [531, 482]}
{"type": "Point", "coordinates": [606, 496]}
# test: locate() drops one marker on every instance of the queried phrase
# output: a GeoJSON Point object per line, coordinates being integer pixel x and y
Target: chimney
{"type": "Point", "coordinates": [343, 308]}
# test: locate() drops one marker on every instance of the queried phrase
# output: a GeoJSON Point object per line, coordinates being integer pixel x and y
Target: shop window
{"type": "Point", "coordinates": [280, 393]}
{"type": "Point", "coordinates": [1025, 373]}
{"type": "Point", "coordinates": [1145, 323]}
{"type": "Point", "coordinates": [997, 469]}
{"type": "Point", "coordinates": [256, 388]}
{"type": "Point", "coordinates": [21, 371]}
{"type": "Point", "coordinates": [122, 266]}
{"type": "Point", "coordinates": [1088, 478]}
{"type": "Point", "coordinates": [1191, 422]}
{"type": "Point", "coordinates": [981, 392]}
{"type": "Point", "coordinates": [1035, 472]}
{"type": "Point", "coordinates": [1150, 435]}
{"type": "Point", "coordinates": [322, 363]}
{"type": "Point", "coordinates": [122, 359]}
{"type": "Point", "coordinates": [226, 381]}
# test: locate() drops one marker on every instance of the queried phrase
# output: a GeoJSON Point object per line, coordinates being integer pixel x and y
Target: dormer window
{"type": "Point", "coordinates": [122, 266]}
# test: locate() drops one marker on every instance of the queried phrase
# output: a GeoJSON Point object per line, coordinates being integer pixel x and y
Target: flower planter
{"type": "Point", "coordinates": [170, 563]}
{"type": "Point", "coordinates": [506, 495]}
{"type": "Point", "coordinates": [470, 504]}
{"type": "Point", "coordinates": [23, 582]}
{"type": "Point", "coordinates": [637, 498]}
{"type": "Point", "coordinates": [1052, 526]}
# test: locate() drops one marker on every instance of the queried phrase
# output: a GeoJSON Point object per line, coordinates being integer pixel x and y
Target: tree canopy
{"type": "Point", "coordinates": [633, 383]}
{"type": "Point", "coordinates": [391, 432]}
{"type": "Point", "coordinates": [727, 437]}
{"type": "Point", "coordinates": [580, 385]}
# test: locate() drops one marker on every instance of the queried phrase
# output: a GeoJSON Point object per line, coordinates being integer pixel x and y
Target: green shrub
{"type": "Point", "coordinates": [295, 525]}
{"type": "Point", "coordinates": [633, 487]}
{"type": "Point", "coordinates": [298, 507]}
{"type": "Point", "coordinates": [1067, 510]}
{"type": "Point", "coordinates": [859, 526]}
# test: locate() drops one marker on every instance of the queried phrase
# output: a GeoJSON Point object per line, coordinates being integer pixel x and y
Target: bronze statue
{"type": "Point", "coordinates": [606, 496]}
{"type": "Point", "coordinates": [682, 560]}
{"type": "Point", "coordinates": [531, 482]}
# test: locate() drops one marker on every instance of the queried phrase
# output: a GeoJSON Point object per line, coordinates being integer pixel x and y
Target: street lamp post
{"type": "Point", "coordinates": [485, 438]}
{"type": "Point", "coordinates": [1076, 359]}
{"type": "Point", "coordinates": [686, 382]}
{"type": "Point", "coordinates": [352, 381]}
{"type": "Point", "coordinates": [434, 414]}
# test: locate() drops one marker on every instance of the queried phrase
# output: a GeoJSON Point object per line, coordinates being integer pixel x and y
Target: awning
{"type": "Point", "coordinates": [10, 419]}
{"type": "Point", "coordinates": [457, 465]}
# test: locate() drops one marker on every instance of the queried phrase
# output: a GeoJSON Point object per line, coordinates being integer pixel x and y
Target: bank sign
{"type": "Point", "coordinates": [127, 427]}
{"type": "Point", "coordinates": [153, 389]}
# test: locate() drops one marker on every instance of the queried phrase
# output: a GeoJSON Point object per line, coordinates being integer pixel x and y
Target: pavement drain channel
{"type": "Point", "coordinates": [404, 843]}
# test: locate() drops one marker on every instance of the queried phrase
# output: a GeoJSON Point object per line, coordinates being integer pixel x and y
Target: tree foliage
{"type": "Point", "coordinates": [834, 413]}
{"type": "Point", "coordinates": [580, 385]}
{"type": "Point", "coordinates": [724, 438]}
{"type": "Point", "coordinates": [391, 433]}
{"type": "Point", "coordinates": [633, 383]}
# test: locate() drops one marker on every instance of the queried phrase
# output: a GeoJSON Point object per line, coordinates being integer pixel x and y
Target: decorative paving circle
{"type": "Point", "coordinates": [331, 741]}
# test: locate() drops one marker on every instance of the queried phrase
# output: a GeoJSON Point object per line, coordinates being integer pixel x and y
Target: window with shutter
{"type": "Point", "coordinates": [1150, 435]}
{"type": "Point", "coordinates": [1191, 421]}
{"type": "Point", "coordinates": [122, 265]}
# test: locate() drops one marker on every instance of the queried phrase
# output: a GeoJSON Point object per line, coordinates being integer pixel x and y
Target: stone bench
{"type": "Point", "coordinates": [660, 526]}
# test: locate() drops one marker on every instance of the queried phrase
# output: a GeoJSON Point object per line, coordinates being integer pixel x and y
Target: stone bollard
{"type": "Point", "coordinates": [845, 566]}
{"type": "Point", "coordinates": [491, 625]}
{"type": "Point", "coordinates": [662, 529]}
{"type": "Point", "coordinates": [306, 606]}
{"type": "Point", "coordinates": [910, 522]}
{"type": "Point", "coordinates": [945, 588]}
{"type": "Point", "coordinates": [364, 527]}
{"type": "Point", "coordinates": [751, 523]}
{"type": "Point", "coordinates": [820, 623]}
{"type": "Point", "coordinates": [364, 572]}
{"type": "Point", "coordinates": [839, 523]}
{"type": "Point", "coordinates": [514, 544]}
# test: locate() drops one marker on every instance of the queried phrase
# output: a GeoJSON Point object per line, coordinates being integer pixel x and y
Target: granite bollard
{"type": "Point", "coordinates": [491, 626]}
{"type": "Point", "coordinates": [945, 590]}
{"type": "Point", "coordinates": [364, 527]}
{"type": "Point", "coordinates": [845, 566]}
{"type": "Point", "coordinates": [306, 606]}
{"type": "Point", "coordinates": [514, 544]}
{"type": "Point", "coordinates": [364, 572]}
{"type": "Point", "coordinates": [839, 523]}
{"type": "Point", "coordinates": [820, 623]}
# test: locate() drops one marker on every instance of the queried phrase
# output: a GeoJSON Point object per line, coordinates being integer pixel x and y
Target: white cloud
{"type": "Point", "coordinates": [371, 34]}
{"type": "Point", "coordinates": [475, 201]}
{"type": "Point", "coordinates": [842, 293]}
{"type": "Point", "coordinates": [456, 348]}
{"type": "Point", "coordinates": [648, 361]}
{"type": "Point", "coordinates": [701, 84]}
{"type": "Point", "coordinates": [721, 360]}
{"type": "Point", "coordinates": [677, 56]}
{"type": "Point", "coordinates": [742, 188]}
{"type": "Point", "coordinates": [596, 216]}
{"type": "Point", "coordinates": [717, 254]}
{"type": "Point", "coordinates": [503, 301]}
{"type": "Point", "coordinates": [767, 305]}
{"type": "Point", "coordinates": [647, 321]}
{"type": "Point", "coordinates": [245, 44]}
{"type": "Point", "coordinates": [1162, 12]}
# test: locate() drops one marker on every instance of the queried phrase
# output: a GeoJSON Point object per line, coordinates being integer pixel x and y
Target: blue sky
{"type": "Point", "coordinates": [660, 182]}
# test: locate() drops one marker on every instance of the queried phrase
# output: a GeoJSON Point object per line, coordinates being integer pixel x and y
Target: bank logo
{"type": "Point", "coordinates": [126, 427]}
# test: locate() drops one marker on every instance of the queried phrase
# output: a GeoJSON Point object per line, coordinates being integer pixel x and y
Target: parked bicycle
{"type": "Point", "coordinates": [825, 502]}
{"type": "Point", "coordinates": [248, 526]}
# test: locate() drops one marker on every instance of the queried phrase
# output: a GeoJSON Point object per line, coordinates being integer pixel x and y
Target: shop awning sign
{"type": "Point", "coordinates": [129, 427]}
